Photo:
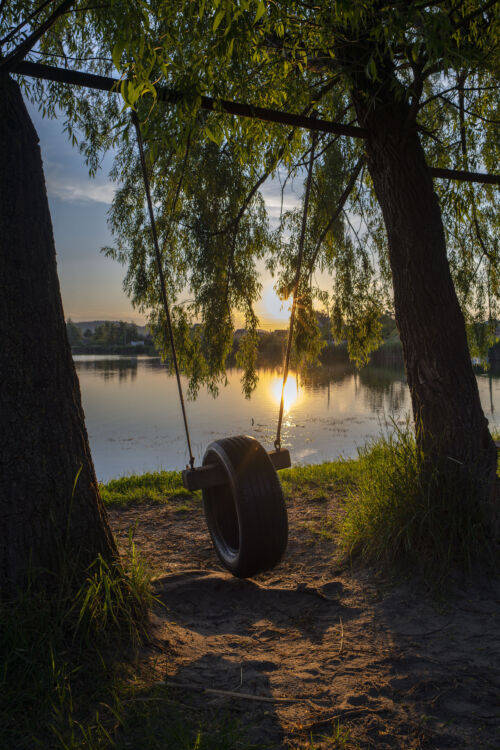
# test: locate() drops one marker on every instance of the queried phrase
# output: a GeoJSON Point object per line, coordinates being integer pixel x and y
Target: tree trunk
{"type": "Point", "coordinates": [450, 424]}
{"type": "Point", "coordinates": [51, 512]}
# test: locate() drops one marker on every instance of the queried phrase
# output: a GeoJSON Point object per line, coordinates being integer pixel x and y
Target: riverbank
{"type": "Point", "coordinates": [164, 649]}
{"type": "Point", "coordinates": [315, 653]}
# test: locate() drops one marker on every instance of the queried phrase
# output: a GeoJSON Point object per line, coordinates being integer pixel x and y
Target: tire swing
{"type": "Point", "coordinates": [243, 500]}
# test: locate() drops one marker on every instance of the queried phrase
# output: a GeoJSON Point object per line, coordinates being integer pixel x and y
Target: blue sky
{"type": "Point", "coordinates": [91, 284]}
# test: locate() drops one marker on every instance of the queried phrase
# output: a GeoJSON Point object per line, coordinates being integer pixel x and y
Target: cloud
{"type": "Point", "coordinates": [271, 192]}
{"type": "Point", "coordinates": [79, 190]}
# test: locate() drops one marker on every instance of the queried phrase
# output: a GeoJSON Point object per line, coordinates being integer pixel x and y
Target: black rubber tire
{"type": "Point", "coordinates": [247, 517]}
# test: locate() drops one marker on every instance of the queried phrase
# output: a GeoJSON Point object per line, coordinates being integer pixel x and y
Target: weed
{"type": "Point", "coordinates": [114, 599]}
{"type": "Point", "coordinates": [340, 739]}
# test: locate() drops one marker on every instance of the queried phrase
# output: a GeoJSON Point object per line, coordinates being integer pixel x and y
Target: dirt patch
{"type": "Point", "coordinates": [311, 651]}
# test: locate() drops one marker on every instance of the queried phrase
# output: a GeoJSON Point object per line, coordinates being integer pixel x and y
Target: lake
{"type": "Point", "coordinates": [134, 419]}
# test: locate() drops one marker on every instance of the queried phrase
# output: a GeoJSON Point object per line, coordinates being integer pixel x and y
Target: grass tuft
{"type": "Point", "coordinates": [114, 600]}
{"type": "Point", "coordinates": [403, 516]}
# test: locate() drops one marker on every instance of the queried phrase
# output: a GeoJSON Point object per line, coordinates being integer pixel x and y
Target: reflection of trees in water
{"type": "Point", "coordinates": [319, 378]}
{"type": "Point", "coordinates": [381, 387]}
{"type": "Point", "coordinates": [109, 369]}
{"type": "Point", "coordinates": [384, 388]}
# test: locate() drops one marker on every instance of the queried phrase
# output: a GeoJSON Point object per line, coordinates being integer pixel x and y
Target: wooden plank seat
{"type": "Point", "coordinates": [211, 475]}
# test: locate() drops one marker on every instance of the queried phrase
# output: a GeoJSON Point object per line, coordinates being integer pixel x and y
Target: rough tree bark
{"type": "Point", "coordinates": [43, 437]}
{"type": "Point", "coordinates": [450, 424]}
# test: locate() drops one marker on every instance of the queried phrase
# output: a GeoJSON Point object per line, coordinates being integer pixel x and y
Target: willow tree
{"type": "Point", "coordinates": [411, 85]}
{"type": "Point", "coordinates": [421, 83]}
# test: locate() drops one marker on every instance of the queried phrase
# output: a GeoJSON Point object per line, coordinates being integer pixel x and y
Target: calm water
{"type": "Point", "coordinates": [135, 425]}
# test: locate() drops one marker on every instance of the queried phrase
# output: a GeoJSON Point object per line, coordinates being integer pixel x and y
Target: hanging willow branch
{"type": "Point", "coordinates": [338, 210]}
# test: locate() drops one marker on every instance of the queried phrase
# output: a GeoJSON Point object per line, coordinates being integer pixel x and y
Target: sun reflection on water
{"type": "Point", "coordinates": [291, 395]}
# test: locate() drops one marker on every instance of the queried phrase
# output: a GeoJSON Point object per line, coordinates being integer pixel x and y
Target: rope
{"type": "Point", "coordinates": [161, 276]}
{"type": "Point", "coordinates": [277, 442]}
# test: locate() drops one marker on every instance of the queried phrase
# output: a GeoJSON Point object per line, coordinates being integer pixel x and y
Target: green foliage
{"type": "Point", "coordinates": [209, 252]}
{"type": "Point", "coordinates": [74, 333]}
{"type": "Point", "coordinates": [406, 514]}
{"type": "Point", "coordinates": [440, 60]}
{"type": "Point", "coordinates": [114, 332]}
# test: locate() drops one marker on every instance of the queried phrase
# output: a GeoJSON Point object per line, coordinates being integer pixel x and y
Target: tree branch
{"type": "Point", "coordinates": [463, 176]}
{"type": "Point", "coordinates": [338, 210]}
{"type": "Point", "coordinates": [15, 57]}
{"type": "Point", "coordinates": [23, 23]}
{"type": "Point", "coordinates": [461, 109]}
{"type": "Point", "coordinates": [468, 111]}
{"type": "Point", "coordinates": [235, 222]}
{"type": "Point", "coordinates": [172, 96]}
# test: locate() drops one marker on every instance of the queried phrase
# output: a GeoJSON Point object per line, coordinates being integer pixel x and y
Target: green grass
{"type": "Point", "coordinates": [61, 653]}
{"type": "Point", "coordinates": [403, 516]}
{"type": "Point", "coordinates": [313, 482]}
{"type": "Point", "coordinates": [158, 487]}
{"type": "Point", "coordinates": [154, 720]}
{"type": "Point", "coordinates": [316, 482]}
{"type": "Point", "coordinates": [340, 739]}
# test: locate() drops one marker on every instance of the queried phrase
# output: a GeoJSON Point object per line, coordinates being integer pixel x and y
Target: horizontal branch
{"type": "Point", "coordinates": [463, 176]}
{"type": "Point", "coordinates": [171, 96]}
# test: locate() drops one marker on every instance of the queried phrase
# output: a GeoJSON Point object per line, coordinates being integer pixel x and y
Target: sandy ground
{"type": "Point", "coordinates": [309, 646]}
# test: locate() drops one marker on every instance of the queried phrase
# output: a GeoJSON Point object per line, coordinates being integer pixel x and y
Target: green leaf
{"type": "Point", "coordinates": [371, 69]}
{"type": "Point", "coordinates": [218, 18]}
{"type": "Point", "coordinates": [117, 54]}
{"type": "Point", "coordinates": [211, 135]}
{"type": "Point", "coordinates": [261, 9]}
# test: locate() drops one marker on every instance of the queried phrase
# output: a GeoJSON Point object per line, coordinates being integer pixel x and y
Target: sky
{"type": "Point", "coordinates": [91, 284]}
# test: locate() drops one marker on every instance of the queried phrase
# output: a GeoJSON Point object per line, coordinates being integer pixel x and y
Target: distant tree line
{"type": "Point", "coordinates": [119, 337]}
{"type": "Point", "coordinates": [109, 337]}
